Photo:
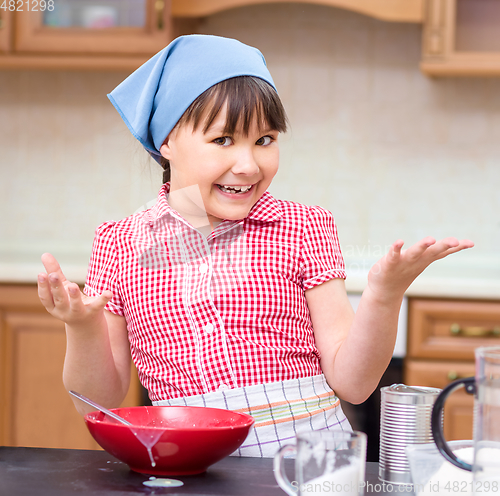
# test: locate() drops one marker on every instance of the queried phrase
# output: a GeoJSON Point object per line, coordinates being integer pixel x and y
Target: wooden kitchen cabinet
{"type": "Point", "coordinates": [461, 38]}
{"type": "Point", "coordinates": [32, 39]}
{"type": "Point", "coordinates": [35, 409]}
{"type": "Point", "coordinates": [80, 29]}
{"type": "Point", "coordinates": [442, 337]}
{"type": "Point", "coordinates": [74, 34]}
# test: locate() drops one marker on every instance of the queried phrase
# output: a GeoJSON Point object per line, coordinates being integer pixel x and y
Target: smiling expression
{"type": "Point", "coordinates": [231, 172]}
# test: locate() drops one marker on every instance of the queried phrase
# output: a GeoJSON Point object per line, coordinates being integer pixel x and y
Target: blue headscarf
{"type": "Point", "coordinates": [154, 97]}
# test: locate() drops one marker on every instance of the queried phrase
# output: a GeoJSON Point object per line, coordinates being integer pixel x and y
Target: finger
{"type": "Point", "coordinates": [44, 292]}
{"type": "Point", "coordinates": [454, 243]}
{"type": "Point", "coordinates": [59, 293]}
{"type": "Point", "coordinates": [443, 246]}
{"type": "Point", "coordinates": [466, 243]}
{"type": "Point", "coordinates": [448, 243]}
{"type": "Point", "coordinates": [395, 250]}
{"type": "Point", "coordinates": [98, 303]}
{"type": "Point", "coordinates": [75, 297]}
{"type": "Point", "coordinates": [52, 265]}
{"type": "Point", "coordinates": [418, 249]}
{"type": "Point", "coordinates": [104, 299]}
{"type": "Point", "coordinates": [397, 245]}
{"type": "Point", "coordinates": [448, 249]}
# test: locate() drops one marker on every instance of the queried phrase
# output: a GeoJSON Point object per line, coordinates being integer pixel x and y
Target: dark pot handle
{"type": "Point", "coordinates": [437, 426]}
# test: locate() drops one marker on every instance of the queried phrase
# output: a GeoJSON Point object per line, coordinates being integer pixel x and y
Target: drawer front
{"type": "Point", "coordinates": [435, 374]}
{"type": "Point", "coordinates": [451, 329]}
{"type": "Point", "coordinates": [459, 407]}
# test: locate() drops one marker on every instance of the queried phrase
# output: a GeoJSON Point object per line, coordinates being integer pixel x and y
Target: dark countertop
{"type": "Point", "coordinates": [61, 472]}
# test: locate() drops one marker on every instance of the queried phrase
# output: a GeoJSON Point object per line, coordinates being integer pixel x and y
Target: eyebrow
{"type": "Point", "coordinates": [215, 129]}
{"type": "Point", "coordinates": [220, 130]}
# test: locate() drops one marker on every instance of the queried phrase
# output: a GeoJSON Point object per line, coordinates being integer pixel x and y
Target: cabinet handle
{"type": "Point", "coordinates": [159, 7]}
{"type": "Point", "coordinates": [474, 331]}
{"type": "Point", "coordinates": [453, 375]}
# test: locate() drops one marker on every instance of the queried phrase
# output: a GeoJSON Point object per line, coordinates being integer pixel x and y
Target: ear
{"type": "Point", "coordinates": [165, 149]}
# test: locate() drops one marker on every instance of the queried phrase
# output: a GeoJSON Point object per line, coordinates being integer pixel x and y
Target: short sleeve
{"type": "Point", "coordinates": [321, 255]}
{"type": "Point", "coordinates": [103, 267]}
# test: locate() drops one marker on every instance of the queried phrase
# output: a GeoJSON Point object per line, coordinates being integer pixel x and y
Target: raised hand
{"type": "Point", "coordinates": [64, 300]}
{"type": "Point", "coordinates": [393, 273]}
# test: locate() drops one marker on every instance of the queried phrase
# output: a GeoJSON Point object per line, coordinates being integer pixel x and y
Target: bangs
{"type": "Point", "coordinates": [247, 98]}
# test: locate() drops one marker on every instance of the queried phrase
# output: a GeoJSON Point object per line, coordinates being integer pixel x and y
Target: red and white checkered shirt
{"type": "Point", "coordinates": [221, 312]}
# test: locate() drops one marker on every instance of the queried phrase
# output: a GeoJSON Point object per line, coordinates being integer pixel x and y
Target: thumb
{"type": "Point", "coordinates": [105, 298]}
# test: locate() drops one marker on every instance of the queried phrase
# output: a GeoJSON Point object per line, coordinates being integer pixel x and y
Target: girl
{"type": "Point", "coordinates": [222, 295]}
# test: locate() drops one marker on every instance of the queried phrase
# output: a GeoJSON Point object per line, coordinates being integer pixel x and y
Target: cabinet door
{"type": "Point", "coordinates": [458, 410]}
{"type": "Point", "coordinates": [35, 409]}
{"type": "Point", "coordinates": [121, 27]}
{"type": "Point", "coordinates": [461, 38]}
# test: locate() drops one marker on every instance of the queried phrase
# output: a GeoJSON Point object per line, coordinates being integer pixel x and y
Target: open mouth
{"type": "Point", "coordinates": [235, 190]}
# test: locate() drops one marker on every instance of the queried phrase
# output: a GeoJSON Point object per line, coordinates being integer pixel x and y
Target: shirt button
{"type": "Point", "coordinates": [223, 387]}
{"type": "Point", "coordinates": [203, 268]}
{"type": "Point", "coordinates": [209, 328]}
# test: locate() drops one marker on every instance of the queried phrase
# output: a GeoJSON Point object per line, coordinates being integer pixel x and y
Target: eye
{"type": "Point", "coordinates": [223, 141]}
{"type": "Point", "coordinates": [265, 140]}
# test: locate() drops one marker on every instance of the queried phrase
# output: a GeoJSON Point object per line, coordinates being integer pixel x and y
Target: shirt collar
{"type": "Point", "coordinates": [267, 209]}
{"type": "Point", "coordinates": [161, 207]}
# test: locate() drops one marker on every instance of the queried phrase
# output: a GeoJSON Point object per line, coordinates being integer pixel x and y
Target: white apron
{"type": "Point", "coordinates": [280, 409]}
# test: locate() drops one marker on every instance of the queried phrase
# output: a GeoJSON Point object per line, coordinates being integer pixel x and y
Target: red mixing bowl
{"type": "Point", "coordinates": [170, 440]}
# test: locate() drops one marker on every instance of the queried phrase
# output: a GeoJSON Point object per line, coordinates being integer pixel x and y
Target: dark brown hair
{"type": "Point", "coordinates": [246, 97]}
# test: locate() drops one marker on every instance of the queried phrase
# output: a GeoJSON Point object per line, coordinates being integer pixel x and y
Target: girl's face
{"type": "Point", "coordinates": [230, 173]}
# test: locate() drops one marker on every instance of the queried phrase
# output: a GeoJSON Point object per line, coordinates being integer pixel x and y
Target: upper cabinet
{"type": "Point", "coordinates": [461, 38]}
{"type": "Point", "coordinates": [111, 34]}
{"type": "Point", "coordinates": [123, 34]}
{"type": "Point", "coordinates": [111, 26]}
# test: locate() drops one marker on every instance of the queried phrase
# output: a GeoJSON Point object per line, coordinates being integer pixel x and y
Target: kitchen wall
{"type": "Point", "coordinates": [392, 153]}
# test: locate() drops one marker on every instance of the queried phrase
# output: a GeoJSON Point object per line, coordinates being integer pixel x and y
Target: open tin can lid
{"type": "Point", "coordinates": [409, 395]}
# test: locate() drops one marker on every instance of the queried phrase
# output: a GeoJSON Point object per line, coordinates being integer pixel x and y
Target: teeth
{"type": "Point", "coordinates": [234, 189]}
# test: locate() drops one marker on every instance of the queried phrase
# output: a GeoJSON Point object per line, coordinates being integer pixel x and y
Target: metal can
{"type": "Point", "coordinates": [405, 419]}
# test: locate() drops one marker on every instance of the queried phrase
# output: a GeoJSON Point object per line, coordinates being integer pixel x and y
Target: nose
{"type": "Point", "coordinates": [245, 163]}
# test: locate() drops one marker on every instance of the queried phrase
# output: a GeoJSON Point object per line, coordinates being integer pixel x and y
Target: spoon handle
{"type": "Point", "coordinates": [100, 408]}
